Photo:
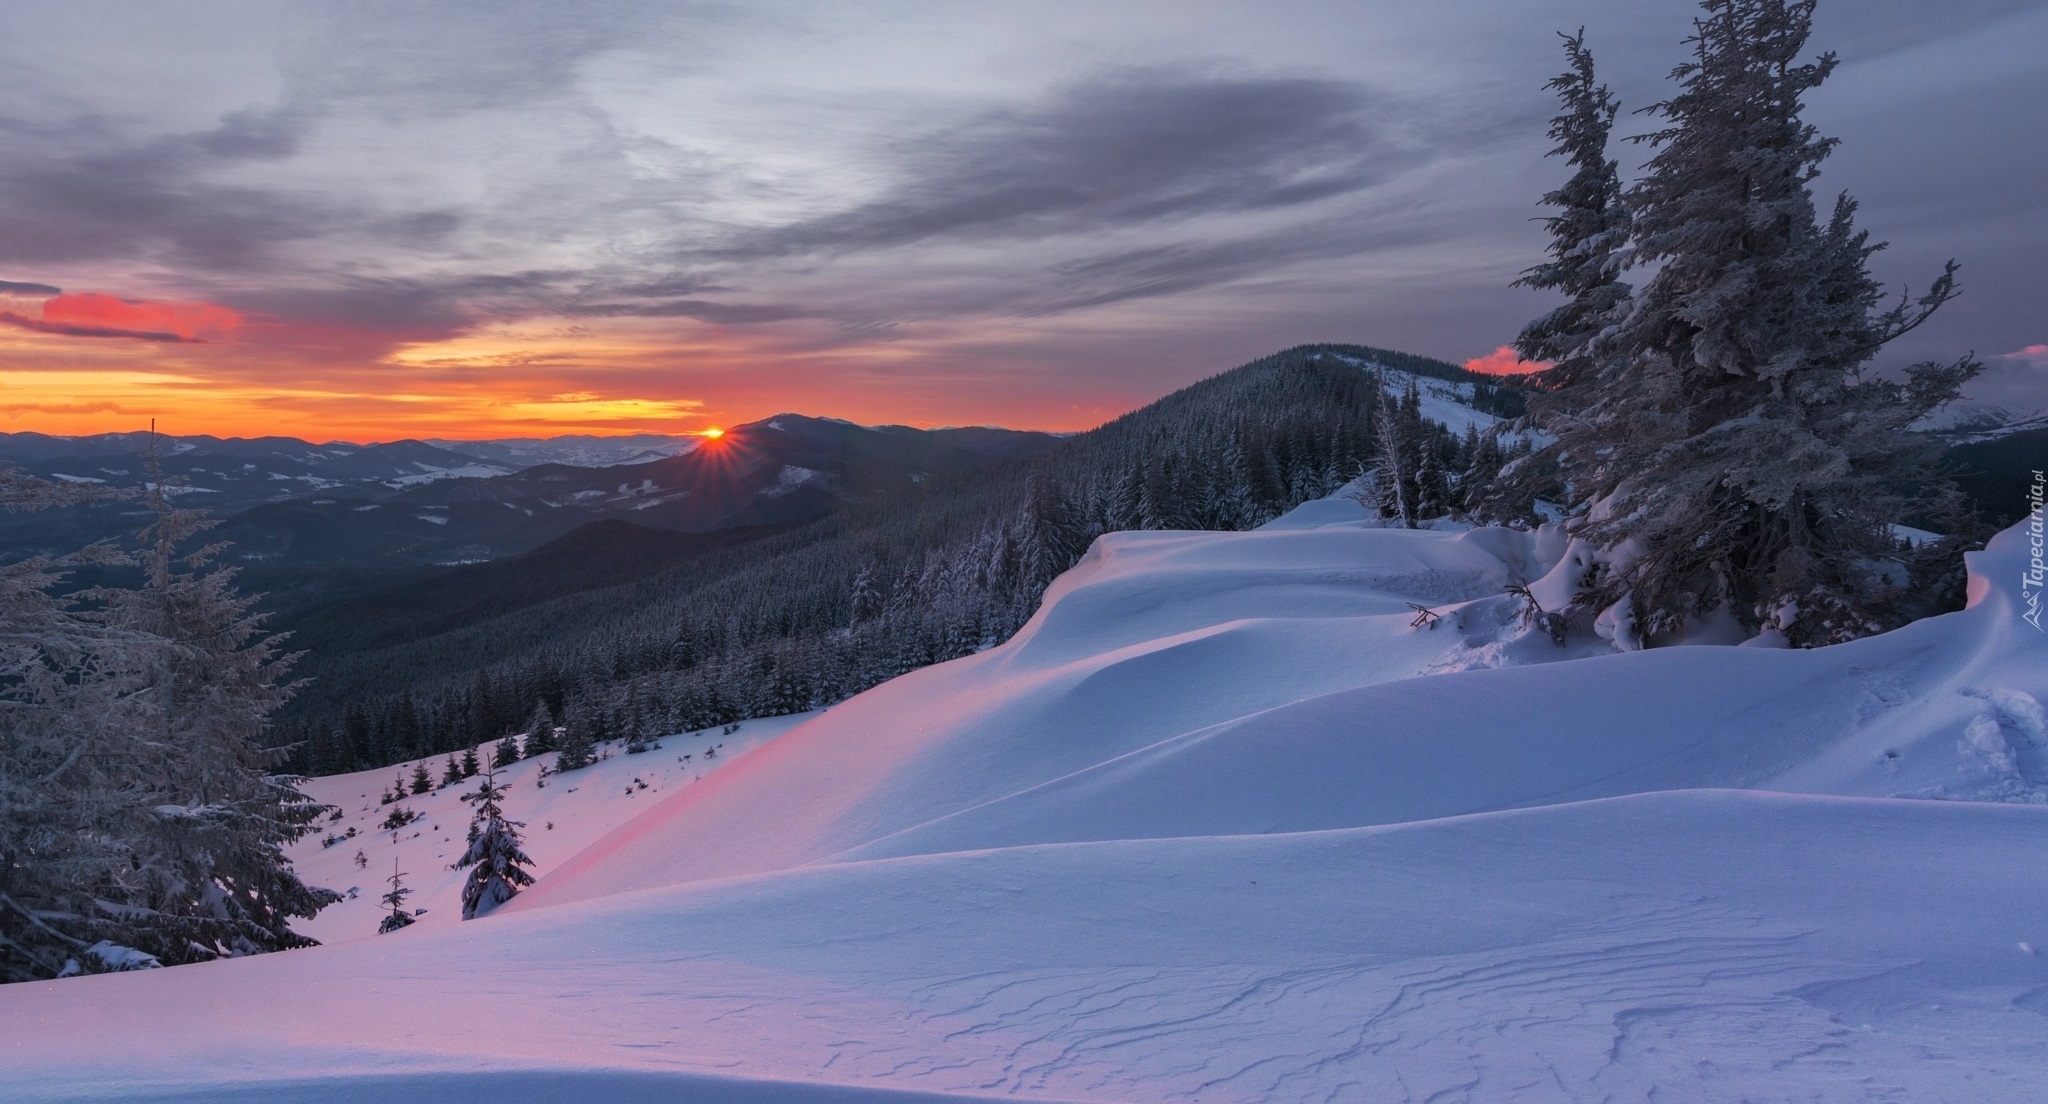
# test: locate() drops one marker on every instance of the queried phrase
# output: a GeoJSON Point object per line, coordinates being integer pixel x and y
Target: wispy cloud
{"type": "Point", "coordinates": [1132, 148]}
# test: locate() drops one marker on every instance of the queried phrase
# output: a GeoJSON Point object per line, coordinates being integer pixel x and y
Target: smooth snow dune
{"type": "Point", "coordinates": [1703, 945]}
{"type": "Point", "coordinates": [1200, 684]}
{"type": "Point", "coordinates": [1153, 635]}
{"type": "Point", "coordinates": [1440, 746]}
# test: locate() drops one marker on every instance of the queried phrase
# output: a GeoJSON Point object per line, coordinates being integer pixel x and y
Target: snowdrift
{"type": "Point", "coordinates": [1222, 823]}
{"type": "Point", "coordinates": [1180, 684]}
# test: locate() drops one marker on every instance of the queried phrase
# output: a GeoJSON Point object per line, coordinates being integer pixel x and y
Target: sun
{"type": "Point", "coordinates": [714, 434]}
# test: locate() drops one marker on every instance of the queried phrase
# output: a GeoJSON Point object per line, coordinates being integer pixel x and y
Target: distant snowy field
{"type": "Point", "coordinates": [1219, 824]}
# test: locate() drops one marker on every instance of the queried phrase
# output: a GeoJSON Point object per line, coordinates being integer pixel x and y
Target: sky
{"type": "Point", "coordinates": [372, 220]}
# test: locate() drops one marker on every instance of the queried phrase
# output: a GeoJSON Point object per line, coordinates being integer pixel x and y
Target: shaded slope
{"type": "Point", "coordinates": [594, 556]}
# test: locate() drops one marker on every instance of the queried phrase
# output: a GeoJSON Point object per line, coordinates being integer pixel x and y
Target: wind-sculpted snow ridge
{"type": "Point", "coordinates": [1199, 684]}
{"type": "Point", "coordinates": [1224, 823]}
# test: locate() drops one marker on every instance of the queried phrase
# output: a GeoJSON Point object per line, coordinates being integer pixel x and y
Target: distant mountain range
{"type": "Point", "coordinates": [285, 501]}
{"type": "Point", "coordinates": [580, 450]}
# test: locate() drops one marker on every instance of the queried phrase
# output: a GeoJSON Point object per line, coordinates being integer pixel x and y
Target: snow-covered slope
{"type": "Point", "coordinates": [1221, 823]}
{"type": "Point", "coordinates": [563, 814]}
{"type": "Point", "coordinates": [1445, 402]}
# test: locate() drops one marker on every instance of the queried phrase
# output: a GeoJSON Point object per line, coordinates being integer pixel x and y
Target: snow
{"type": "Point", "coordinates": [789, 479]}
{"type": "Point", "coordinates": [2004, 398]}
{"type": "Point", "coordinates": [581, 806]}
{"type": "Point", "coordinates": [1443, 402]}
{"type": "Point", "coordinates": [1219, 824]}
{"type": "Point", "coordinates": [572, 450]}
{"type": "Point", "coordinates": [430, 474]}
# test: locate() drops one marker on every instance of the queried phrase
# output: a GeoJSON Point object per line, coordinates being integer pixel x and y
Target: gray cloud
{"type": "Point", "coordinates": [702, 310]}
{"type": "Point", "coordinates": [1128, 149]}
{"type": "Point", "coordinates": [15, 287]}
{"type": "Point", "coordinates": [406, 58]}
{"type": "Point", "coordinates": [417, 306]}
{"type": "Point", "coordinates": [93, 195]}
{"type": "Point", "coordinates": [9, 318]}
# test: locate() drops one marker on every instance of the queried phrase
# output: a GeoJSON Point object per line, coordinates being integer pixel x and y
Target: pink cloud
{"type": "Point", "coordinates": [90, 314]}
{"type": "Point", "coordinates": [1504, 361]}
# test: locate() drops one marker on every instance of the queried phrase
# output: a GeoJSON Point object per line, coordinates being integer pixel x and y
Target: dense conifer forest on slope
{"type": "Point", "coordinates": [685, 632]}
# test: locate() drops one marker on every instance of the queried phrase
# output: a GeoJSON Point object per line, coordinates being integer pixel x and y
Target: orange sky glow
{"type": "Point", "coordinates": [82, 363]}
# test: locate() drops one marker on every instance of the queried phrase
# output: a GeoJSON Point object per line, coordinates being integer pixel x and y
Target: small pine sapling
{"type": "Point", "coordinates": [453, 773]}
{"type": "Point", "coordinates": [397, 917]}
{"type": "Point", "coordinates": [422, 782]}
{"type": "Point", "coordinates": [469, 764]}
{"type": "Point", "coordinates": [506, 753]}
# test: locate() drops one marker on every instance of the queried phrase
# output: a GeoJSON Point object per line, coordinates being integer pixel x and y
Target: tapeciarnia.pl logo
{"type": "Point", "coordinates": [2036, 575]}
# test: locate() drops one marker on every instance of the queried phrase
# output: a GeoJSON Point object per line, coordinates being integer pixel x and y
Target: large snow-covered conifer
{"type": "Point", "coordinates": [1726, 450]}
{"type": "Point", "coordinates": [74, 772]}
{"type": "Point", "coordinates": [139, 820]}
{"type": "Point", "coordinates": [210, 876]}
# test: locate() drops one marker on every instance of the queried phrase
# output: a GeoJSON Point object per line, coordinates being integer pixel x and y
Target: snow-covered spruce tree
{"type": "Point", "coordinates": [76, 776]}
{"type": "Point", "coordinates": [1727, 451]}
{"type": "Point", "coordinates": [497, 866]}
{"type": "Point", "coordinates": [395, 898]}
{"type": "Point", "coordinates": [540, 733]}
{"type": "Point", "coordinates": [209, 875]}
{"type": "Point", "coordinates": [1587, 235]}
{"type": "Point", "coordinates": [1588, 238]}
{"type": "Point", "coordinates": [1399, 468]}
{"type": "Point", "coordinates": [578, 749]}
